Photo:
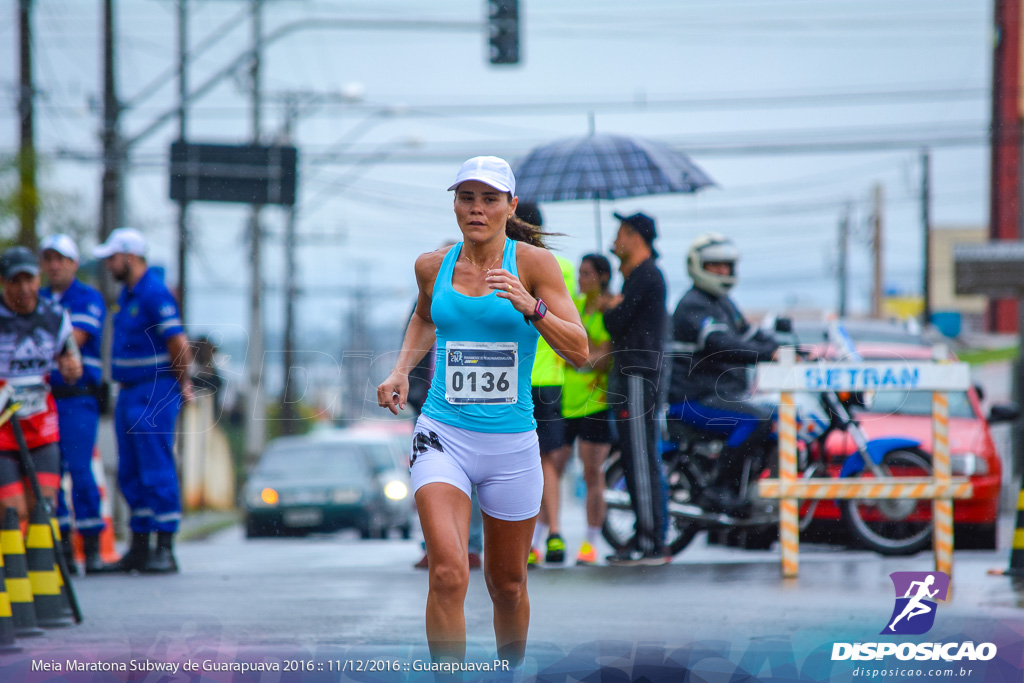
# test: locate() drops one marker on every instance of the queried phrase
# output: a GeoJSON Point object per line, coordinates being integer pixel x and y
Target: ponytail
{"type": "Point", "coordinates": [519, 230]}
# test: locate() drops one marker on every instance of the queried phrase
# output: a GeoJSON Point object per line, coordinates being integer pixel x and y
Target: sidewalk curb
{"type": "Point", "coordinates": [201, 525]}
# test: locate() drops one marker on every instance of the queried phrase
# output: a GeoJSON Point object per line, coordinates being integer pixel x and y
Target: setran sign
{"type": "Point", "coordinates": [876, 376]}
{"type": "Point", "coordinates": [994, 269]}
{"type": "Point", "coordinates": [248, 174]}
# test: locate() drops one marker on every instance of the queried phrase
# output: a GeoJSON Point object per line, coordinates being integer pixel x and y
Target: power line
{"type": "Point", "coordinates": [797, 99]}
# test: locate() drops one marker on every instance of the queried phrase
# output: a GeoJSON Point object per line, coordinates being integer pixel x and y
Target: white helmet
{"type": "Point", "coordinates": [712, 247]}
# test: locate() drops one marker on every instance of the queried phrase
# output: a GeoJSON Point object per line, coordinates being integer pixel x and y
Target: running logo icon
{"type": "Point", "coordinates": [916, 593]}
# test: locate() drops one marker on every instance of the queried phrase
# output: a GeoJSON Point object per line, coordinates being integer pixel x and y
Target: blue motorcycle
{"type": "Point", "coordinates": [690, 462]}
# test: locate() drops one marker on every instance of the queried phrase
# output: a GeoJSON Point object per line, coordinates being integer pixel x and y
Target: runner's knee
{"type": "Point", "coordinates": [507, 589]}
{"type": "Point", "coordinates": [449, 578]}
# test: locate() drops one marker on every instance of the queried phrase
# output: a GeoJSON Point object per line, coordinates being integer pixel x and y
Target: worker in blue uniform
{"type": "Point", "coordinates": [151, 361]}
{"type": "Point", "coordinates": [78, 404]}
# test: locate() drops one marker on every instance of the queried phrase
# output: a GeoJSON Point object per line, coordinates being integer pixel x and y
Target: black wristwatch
{"type": "Point", "coordinates": [539, 312]}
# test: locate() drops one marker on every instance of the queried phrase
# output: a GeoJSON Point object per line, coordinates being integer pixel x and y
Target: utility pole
{"type": "Point", "coordinates": [844, 243]}
{"type": "Point", "coordinates": [110, 192]}
{"type": "Point", "coordinates": [29, 194]}
{"type": "Point", "coordinates": [878, 289]}
{"type": "Point", "coordinates": [288, 413]}
{"type": "Point", "coordinates": [1007, 153]}
{"type": "Point", "coordinates": [926, 232]}
{"type": "Point", "coordinates": [183, 136]}
{"type": "Point", "coordinates": [255, 432]}
{"type": "Point", "coordinates": [356, 360]}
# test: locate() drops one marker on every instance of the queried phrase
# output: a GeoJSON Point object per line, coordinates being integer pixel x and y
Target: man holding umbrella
{"type": "Point", "coordinates": [635, 320]}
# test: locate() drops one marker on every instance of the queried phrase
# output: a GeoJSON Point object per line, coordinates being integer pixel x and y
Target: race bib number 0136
{"type": "Point", "coordinates": [481, 372]}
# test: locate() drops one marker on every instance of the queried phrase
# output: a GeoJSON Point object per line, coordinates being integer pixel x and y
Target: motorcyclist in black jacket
{"type": "Point", "coordinates": [712, 347]}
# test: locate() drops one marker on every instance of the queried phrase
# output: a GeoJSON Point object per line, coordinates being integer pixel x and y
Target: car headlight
{"type": "Point", "coordinates": [396, 490]}
{"type": "Point", "coordinates": [265, 497]}
{"type": "Point", "coordinates": [346, 496]}
{"type": "Point", "coordinates": [967, 465]}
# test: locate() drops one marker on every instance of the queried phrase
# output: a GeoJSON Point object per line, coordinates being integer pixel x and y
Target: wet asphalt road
{"type": "Point", "coordinates": [325, 596]}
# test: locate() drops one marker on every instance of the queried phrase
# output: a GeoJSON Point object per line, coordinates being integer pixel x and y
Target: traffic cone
{"type": "Point", "coordinates": [42, 572]}
{"type": "Point", "coordinates": [19, 588]}
{"type": "Point", "coordinates": [66, 610]}
{"type": "Point", "coordinates": [108, 549]}
{"type": "Point", "coordinates": [1017, 554]}
{"type": "Point", "coordinates": [6, 616]}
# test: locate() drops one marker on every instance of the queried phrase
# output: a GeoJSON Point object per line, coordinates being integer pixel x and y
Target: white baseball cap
{"type": "Point", "coordinates": [62, 244]}
{"type": "Point", "coordinates": [493, 171]}
{"type": "Point", "coordinates": [122, 241]}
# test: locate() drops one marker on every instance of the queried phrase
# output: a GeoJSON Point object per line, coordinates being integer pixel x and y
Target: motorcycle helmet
{"type": "Point", "coordinates": [712, 247]}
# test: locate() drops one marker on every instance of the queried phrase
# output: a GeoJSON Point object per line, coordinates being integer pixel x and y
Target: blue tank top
{"type": "Point", "coordinates": [478, 338]}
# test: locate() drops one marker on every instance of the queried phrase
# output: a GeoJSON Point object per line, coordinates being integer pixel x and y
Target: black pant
{"type": "Point", "coordinates": [633, 400]}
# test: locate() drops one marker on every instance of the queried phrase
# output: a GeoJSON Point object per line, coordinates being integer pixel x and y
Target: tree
{"type": "Point", "coordinates": [57, 210]}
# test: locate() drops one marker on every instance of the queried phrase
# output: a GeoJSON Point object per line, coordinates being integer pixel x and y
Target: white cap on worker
{"type": "Point", "coordinates": [493, 171]}
{"type": "Point", "coordinates": [62, 244]}
{"type": "Point", "coordinates": [122, 241]}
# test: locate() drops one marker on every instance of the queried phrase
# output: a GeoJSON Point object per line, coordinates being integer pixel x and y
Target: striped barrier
{"type": "Point", "coordinates": [915, 488]}
{"type": "Point", "coordinates": [66, 607]}
{"type": "Point", "coordinates": [6, 615]}
{"type": "Point", "coordinates": [940, 377]}
{"type": "Point", "coordinates": [1016, 568]}
{"type": "Point", "coordinates": [789, 514]}
{"type": "Point", "coordinates": [19, 588]}
{"type": "Point", "coordinates": [42, 571]}
{"type": "Point", "coordinates": [942, 507]}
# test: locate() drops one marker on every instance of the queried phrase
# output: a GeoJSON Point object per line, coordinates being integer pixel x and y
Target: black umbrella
{"type": "Point", "coordinates": [603, 166]}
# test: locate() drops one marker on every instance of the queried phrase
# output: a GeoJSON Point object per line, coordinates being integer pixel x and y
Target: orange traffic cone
{"type": "Point", "coordinates": [42, 572]}
{"type": "Point", "coordinates": [19, 588]}
{"type": "Point", "coordinates": [108, 552]}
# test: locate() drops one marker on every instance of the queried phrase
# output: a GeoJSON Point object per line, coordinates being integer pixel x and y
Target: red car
{"type": "Point", "coordinates": [908, 415]}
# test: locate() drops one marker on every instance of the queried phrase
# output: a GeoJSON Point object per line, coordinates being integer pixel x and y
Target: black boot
{"type": "Point", "coordinates": [132, 561]}
{"type": "Point", "coordinates": [69, 553]}
{"type": "Point", "coordinates": [94, 564]}
{"type": "Point", "coordinates": [161, 560]}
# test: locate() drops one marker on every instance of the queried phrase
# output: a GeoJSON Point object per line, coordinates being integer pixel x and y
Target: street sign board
{"type": "Point", "coordinates": [995, 269]}
{"type": "Point", "coordinates": [874, 376]}
{"type": "Point", "coordinates": [249, 174]}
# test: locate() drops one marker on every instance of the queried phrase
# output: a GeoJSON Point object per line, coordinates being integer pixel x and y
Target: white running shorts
{"type": "Point", "coordinates": [504, 467]}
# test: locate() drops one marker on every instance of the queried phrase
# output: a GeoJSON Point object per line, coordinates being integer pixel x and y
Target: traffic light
{"type": "Point", "coordinates": [503, 22]}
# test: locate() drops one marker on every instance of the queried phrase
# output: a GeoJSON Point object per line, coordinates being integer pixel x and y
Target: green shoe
{"type": "Point", "coordinates": [556, 550]}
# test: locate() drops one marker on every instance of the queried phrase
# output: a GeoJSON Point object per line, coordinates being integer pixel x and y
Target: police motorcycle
{"type": "Point", "coordinates": [690, 462]}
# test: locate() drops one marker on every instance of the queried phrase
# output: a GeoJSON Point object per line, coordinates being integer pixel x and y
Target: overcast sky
{"type": "Point", "coordinates": [721, 79]}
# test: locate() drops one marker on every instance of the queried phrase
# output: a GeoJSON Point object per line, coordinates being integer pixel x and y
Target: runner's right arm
{"type": "Point", "coordinates": [420, 336]}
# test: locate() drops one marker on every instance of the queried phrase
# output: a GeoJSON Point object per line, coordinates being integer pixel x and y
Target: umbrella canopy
{"type": "Point", "coordinates": [602, 166]}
